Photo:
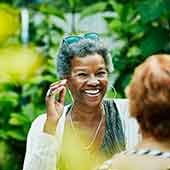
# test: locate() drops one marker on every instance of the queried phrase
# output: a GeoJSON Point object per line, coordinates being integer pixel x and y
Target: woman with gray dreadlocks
{"type": "Point", "coordinates": [97, 126]}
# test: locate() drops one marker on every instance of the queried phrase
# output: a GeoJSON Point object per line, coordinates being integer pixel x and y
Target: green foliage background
{"type": "Point", "coordinates": [140, 28]}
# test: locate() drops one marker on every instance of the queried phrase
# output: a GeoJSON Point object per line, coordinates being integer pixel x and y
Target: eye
{"type": "Point", "coordinates": [101, 73]}
{"type": "Point", "coordinates": [81, 74]}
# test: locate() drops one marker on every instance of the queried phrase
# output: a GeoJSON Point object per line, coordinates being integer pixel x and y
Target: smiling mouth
{"type": "Point", "coordinates": [92, 92]}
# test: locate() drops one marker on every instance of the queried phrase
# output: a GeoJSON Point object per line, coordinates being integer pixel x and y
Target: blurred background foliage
{"type": "Point", "coordinates": [139, 29]}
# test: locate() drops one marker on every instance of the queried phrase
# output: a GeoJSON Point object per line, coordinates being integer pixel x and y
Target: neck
{"type": "Point", "coordinates": [83, 113]}
{"type": "Point", "coordinates": [152, 143]}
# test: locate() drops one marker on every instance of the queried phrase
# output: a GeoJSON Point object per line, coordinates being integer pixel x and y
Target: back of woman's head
{"type": "Point", "coordinates": [80, 49]}
{"type": "Point", "coordinates": [149, 96]}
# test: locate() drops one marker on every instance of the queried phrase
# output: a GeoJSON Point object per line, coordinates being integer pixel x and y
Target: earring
{"type": "Point", "coordinates": [70, 95]}
{"type": "Point", "coordinates": [114, 91]}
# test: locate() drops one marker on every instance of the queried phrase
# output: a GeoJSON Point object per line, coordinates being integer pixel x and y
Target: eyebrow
{"type": "Point", "coordinates": [102, 68]}
{"type": "Point", "coordinates": [76, 70]}
{"type": "Point", "coordinates": [81, 69]}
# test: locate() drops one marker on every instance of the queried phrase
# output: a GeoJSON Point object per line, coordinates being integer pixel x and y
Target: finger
{"type": "Point", "coordinates": [49, 93]}
{"type": "Point", "coordinates": [50, 97]}
{"type": "Point", "coordinates": [57, 91]}
{"type": "Point", "coordinates": [62, 95]}
{"type": "Point", "coordinates": [59, 83]}
{"type": "Point", "coordinates": [55, 86]}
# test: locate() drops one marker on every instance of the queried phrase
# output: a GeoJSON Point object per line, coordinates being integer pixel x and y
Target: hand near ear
{"type": "Point", "coordinates": [54, 107]}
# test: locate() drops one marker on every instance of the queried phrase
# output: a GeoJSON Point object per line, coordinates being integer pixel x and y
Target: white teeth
{"type": "Point", "coordinates": [92, 92]}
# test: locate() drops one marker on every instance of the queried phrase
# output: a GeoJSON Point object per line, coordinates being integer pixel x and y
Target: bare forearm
{"type": "Point", "coordinates": [50, 126]}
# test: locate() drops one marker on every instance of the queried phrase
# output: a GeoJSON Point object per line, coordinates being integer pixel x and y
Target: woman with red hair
{"type": "Point", "coordinates": [149, 103]}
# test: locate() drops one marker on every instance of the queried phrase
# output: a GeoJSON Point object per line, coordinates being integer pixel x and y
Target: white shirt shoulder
{"type": "Point", "coordinates": [130, 125]}
{"type": "Point", "coordinates": [42, 149]}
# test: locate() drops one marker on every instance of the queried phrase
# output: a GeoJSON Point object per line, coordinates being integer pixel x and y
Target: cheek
{"type": "Point", "coordinates": [74, 86]}
{"type": "Point", "coordinates": [104, 83]}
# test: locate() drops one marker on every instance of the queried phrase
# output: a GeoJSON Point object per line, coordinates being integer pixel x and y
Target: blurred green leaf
{"type": "Point", "coordinates": [154, 40]}
{"type": "Point", "coordinates": [73, 3]}
{"type": "Point", "coordinates": [93, 9]}
{"type": "Point", "coordinates": [151, 9]}
{"type": "Point", "coordinates": [51, 9]}
{"type": "Point", "coordinates": [133, 51]}
{"type": "Point", "coordinates": [117, 7]}
{"type": "Point", "coordinates": [9, 98]}
{"type": "Point", "coordinates": [17, 135]}
{"type": "Point", "coordinates": [126, 80]}
{"type": "Point", "coordinates": [18, 119]}
{"type": "Point", "coordinates": [3, 135]}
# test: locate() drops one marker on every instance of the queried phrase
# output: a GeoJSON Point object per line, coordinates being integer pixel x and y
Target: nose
{"type": "Point", "coordinates": [92, 80]}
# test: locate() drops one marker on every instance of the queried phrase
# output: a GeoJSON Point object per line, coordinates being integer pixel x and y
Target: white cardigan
{"type": "Point", "coordinates": [43, 150]}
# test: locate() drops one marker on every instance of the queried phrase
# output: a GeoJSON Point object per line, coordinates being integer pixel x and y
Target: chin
{"type": "Point", "coordinates": [93, 103]}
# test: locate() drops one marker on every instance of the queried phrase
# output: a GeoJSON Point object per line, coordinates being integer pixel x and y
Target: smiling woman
{"type": "Point", "coordinates": [82, 134]}
{"type": "Point", "coordinates": [88, 80]}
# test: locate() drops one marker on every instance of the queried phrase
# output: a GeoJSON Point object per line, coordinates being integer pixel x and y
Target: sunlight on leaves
{"type": "Point", "coordinates": [19, 63]}
{"type": "Point", "coordinates": [10, 23]}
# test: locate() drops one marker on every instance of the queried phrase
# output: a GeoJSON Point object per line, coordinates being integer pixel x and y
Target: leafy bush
{"type": "Point", "coordinates": [140, 28]}
{"type": "Point", "coordinates": [26, 73]}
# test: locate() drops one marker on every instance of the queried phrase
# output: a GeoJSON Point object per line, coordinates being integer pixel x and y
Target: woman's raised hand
{"type": "Point", "coordinates": [54, 106]}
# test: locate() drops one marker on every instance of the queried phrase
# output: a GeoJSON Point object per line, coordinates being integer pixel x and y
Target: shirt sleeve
{"type": "Point", "coordinates": [130, 126]}
{"type": "Point", "coordinates": [43, 150]}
